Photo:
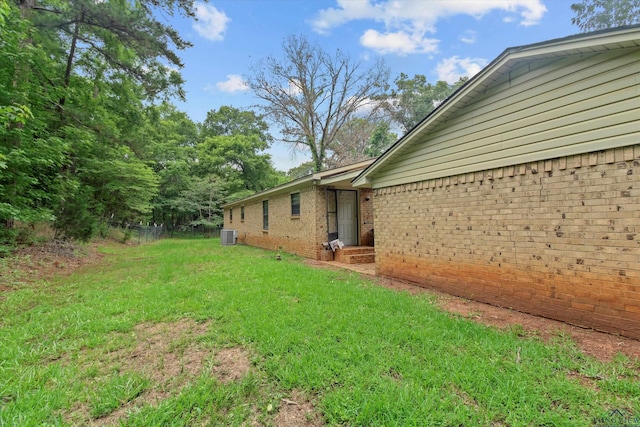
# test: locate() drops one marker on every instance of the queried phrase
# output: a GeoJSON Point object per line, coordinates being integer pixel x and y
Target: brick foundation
{"type": "Point", "coordinates": [556, 238]}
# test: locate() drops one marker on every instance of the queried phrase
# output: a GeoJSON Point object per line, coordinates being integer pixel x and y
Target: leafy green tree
{"type": "Point", "coordinates": [103, 39]}
{"type": "Point", "coordinates": [204, 199]}
{"type": "Point", "coordinates": [414, 98]}
{"type": "Point", "coordinates": [104, 157]}
{"type": "Point", "coordinates": [233, 148]}
{"type": "Point", "coordinates": [306, 168]}
{"type": "Point", "coordinates": [359, 139]}
{"type": "Point", "coordinates": [593, 15]}
{"type": "Point", "coordinates": [175, 178]}
{"type": "Point", "coordinates": [237, 159]}
{"type": "Point", "coordinates": [75, 77]}
{"type": "Point", "coordinates": [170, 147]}
{"type": "Point", "coordinates": [228, 121]}
{"type": "Point", "coordinates": [123, 186]}
{"type": "Point", "coordinates": [311, 94]}
{"type": "Point", "coordinates": [381, 139]}
{"type": "Point", "coordinates": [31, 156]}
{"type": "Point", "coordinates": [74, 218]}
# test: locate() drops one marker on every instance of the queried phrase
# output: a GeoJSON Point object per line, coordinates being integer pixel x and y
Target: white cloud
{"type": "Point", "coordinates": [234, 83]}
{"type": "Point", "coordinates": [410, 20]}
{"type": "Point", "coordinates": [451, 69]}
{"type": "Point", "coordinates": [533, 15]}
{"type": "Point", "coordinates": [211, 23]}
{"type": "Point", "coordinates": [468, 37]}
{"type": "Point", "coordinates": [400, 42]}
{"type": "Point", "coordinates": [368, 107]}
{"type": "Point", "coordinates": [348, 10]}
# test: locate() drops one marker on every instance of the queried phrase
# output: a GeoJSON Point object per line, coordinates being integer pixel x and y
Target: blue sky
{"type": "Point", "coordinates": [441, 39]}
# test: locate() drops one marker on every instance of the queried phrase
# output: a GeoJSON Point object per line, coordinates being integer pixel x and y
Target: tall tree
{"type": "Point", "coordinates": [239, 160]}
{"type": "Point", "coordinates": [414, 98]}
{"type": "Point", "coordinates": [359, 139]}
{"type": "Point", "coordinates": [380, 140]}
{"type": "Point", "coordinates": [300, 171]}
{"type": "Point", "coordinates": [104, 38]}
{"type": "Point", "coordinates": [74, 80]}
{"type": "Point", "coordinates": [593, 15]}
{"type": "Point", "coordinates": [30, 154]}
{"type": "Point", "coordinates": [232, 148]}
{"type": "Point", "coordinates": [311, 94]}
{"type": "Point", "coordinates": [169, 143]}
{"type": "Point", "coordinates": [203, 199]}
{"type": "Point", "coordinates": [227, 121]}
{"type": "Point", "coordinates": [167, 137]}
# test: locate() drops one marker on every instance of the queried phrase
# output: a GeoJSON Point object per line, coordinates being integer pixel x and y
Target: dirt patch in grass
{"type": "Point", "coordinates": [584, 380]}
{"type": "Point", "coordinates": [168, 354]}
{"type": "Point", "coordinates": [231, 364]}
{"type": "Point", "coordinates": [297, 411]}
{"type": "Point", "coordinates": [32, 264]}
{"type": "Point", "coordinates": [165, 353]}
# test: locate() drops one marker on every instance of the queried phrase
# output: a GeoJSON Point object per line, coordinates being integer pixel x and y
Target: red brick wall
{"type": "Point", "coordinates": [557, 238]}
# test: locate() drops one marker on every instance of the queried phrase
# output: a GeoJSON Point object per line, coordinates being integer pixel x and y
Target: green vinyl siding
{"type": "Point", "coordinates": [539, 110]}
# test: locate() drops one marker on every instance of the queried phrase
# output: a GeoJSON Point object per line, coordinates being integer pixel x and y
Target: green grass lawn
{"type": "Point", "coordinates": [119, 343]}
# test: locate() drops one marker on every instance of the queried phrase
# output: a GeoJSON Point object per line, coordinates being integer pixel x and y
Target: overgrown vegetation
{"type": "Point", "coordinates": [74, 349]}
{"type": "Point", "coordinates": [88, 133]}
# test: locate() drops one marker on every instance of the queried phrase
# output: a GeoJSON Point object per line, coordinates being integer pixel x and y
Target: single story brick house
{"type": "Point", "coordinates": [298, 217]}
{"type": "Point", "coordinates": [522, 189]}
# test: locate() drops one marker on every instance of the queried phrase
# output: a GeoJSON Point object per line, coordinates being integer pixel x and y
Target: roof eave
{"type": "Point", "coordinates": [288, 187]}
{"type": "Point", "coordinates": [606, 39]}
{"type": "Point", "coordinates": [343, 175]}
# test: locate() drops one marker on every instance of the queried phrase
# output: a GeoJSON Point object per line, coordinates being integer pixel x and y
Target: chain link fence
{"type": "Point", "coordinates": [139, 233]}
{"type": "Point", "coordinates": [150, 232]}
{"type": "Point", "coordinates": [194, 231]}
{"type": "Point", "coordinates": [146, 233]}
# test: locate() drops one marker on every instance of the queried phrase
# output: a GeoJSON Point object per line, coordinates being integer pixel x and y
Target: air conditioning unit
{"type": "Point", "coordinates": [228, 236]}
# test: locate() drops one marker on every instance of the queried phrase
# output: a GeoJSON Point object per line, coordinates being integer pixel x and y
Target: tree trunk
{"type": "Point", "coordinates": [72, 52]}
